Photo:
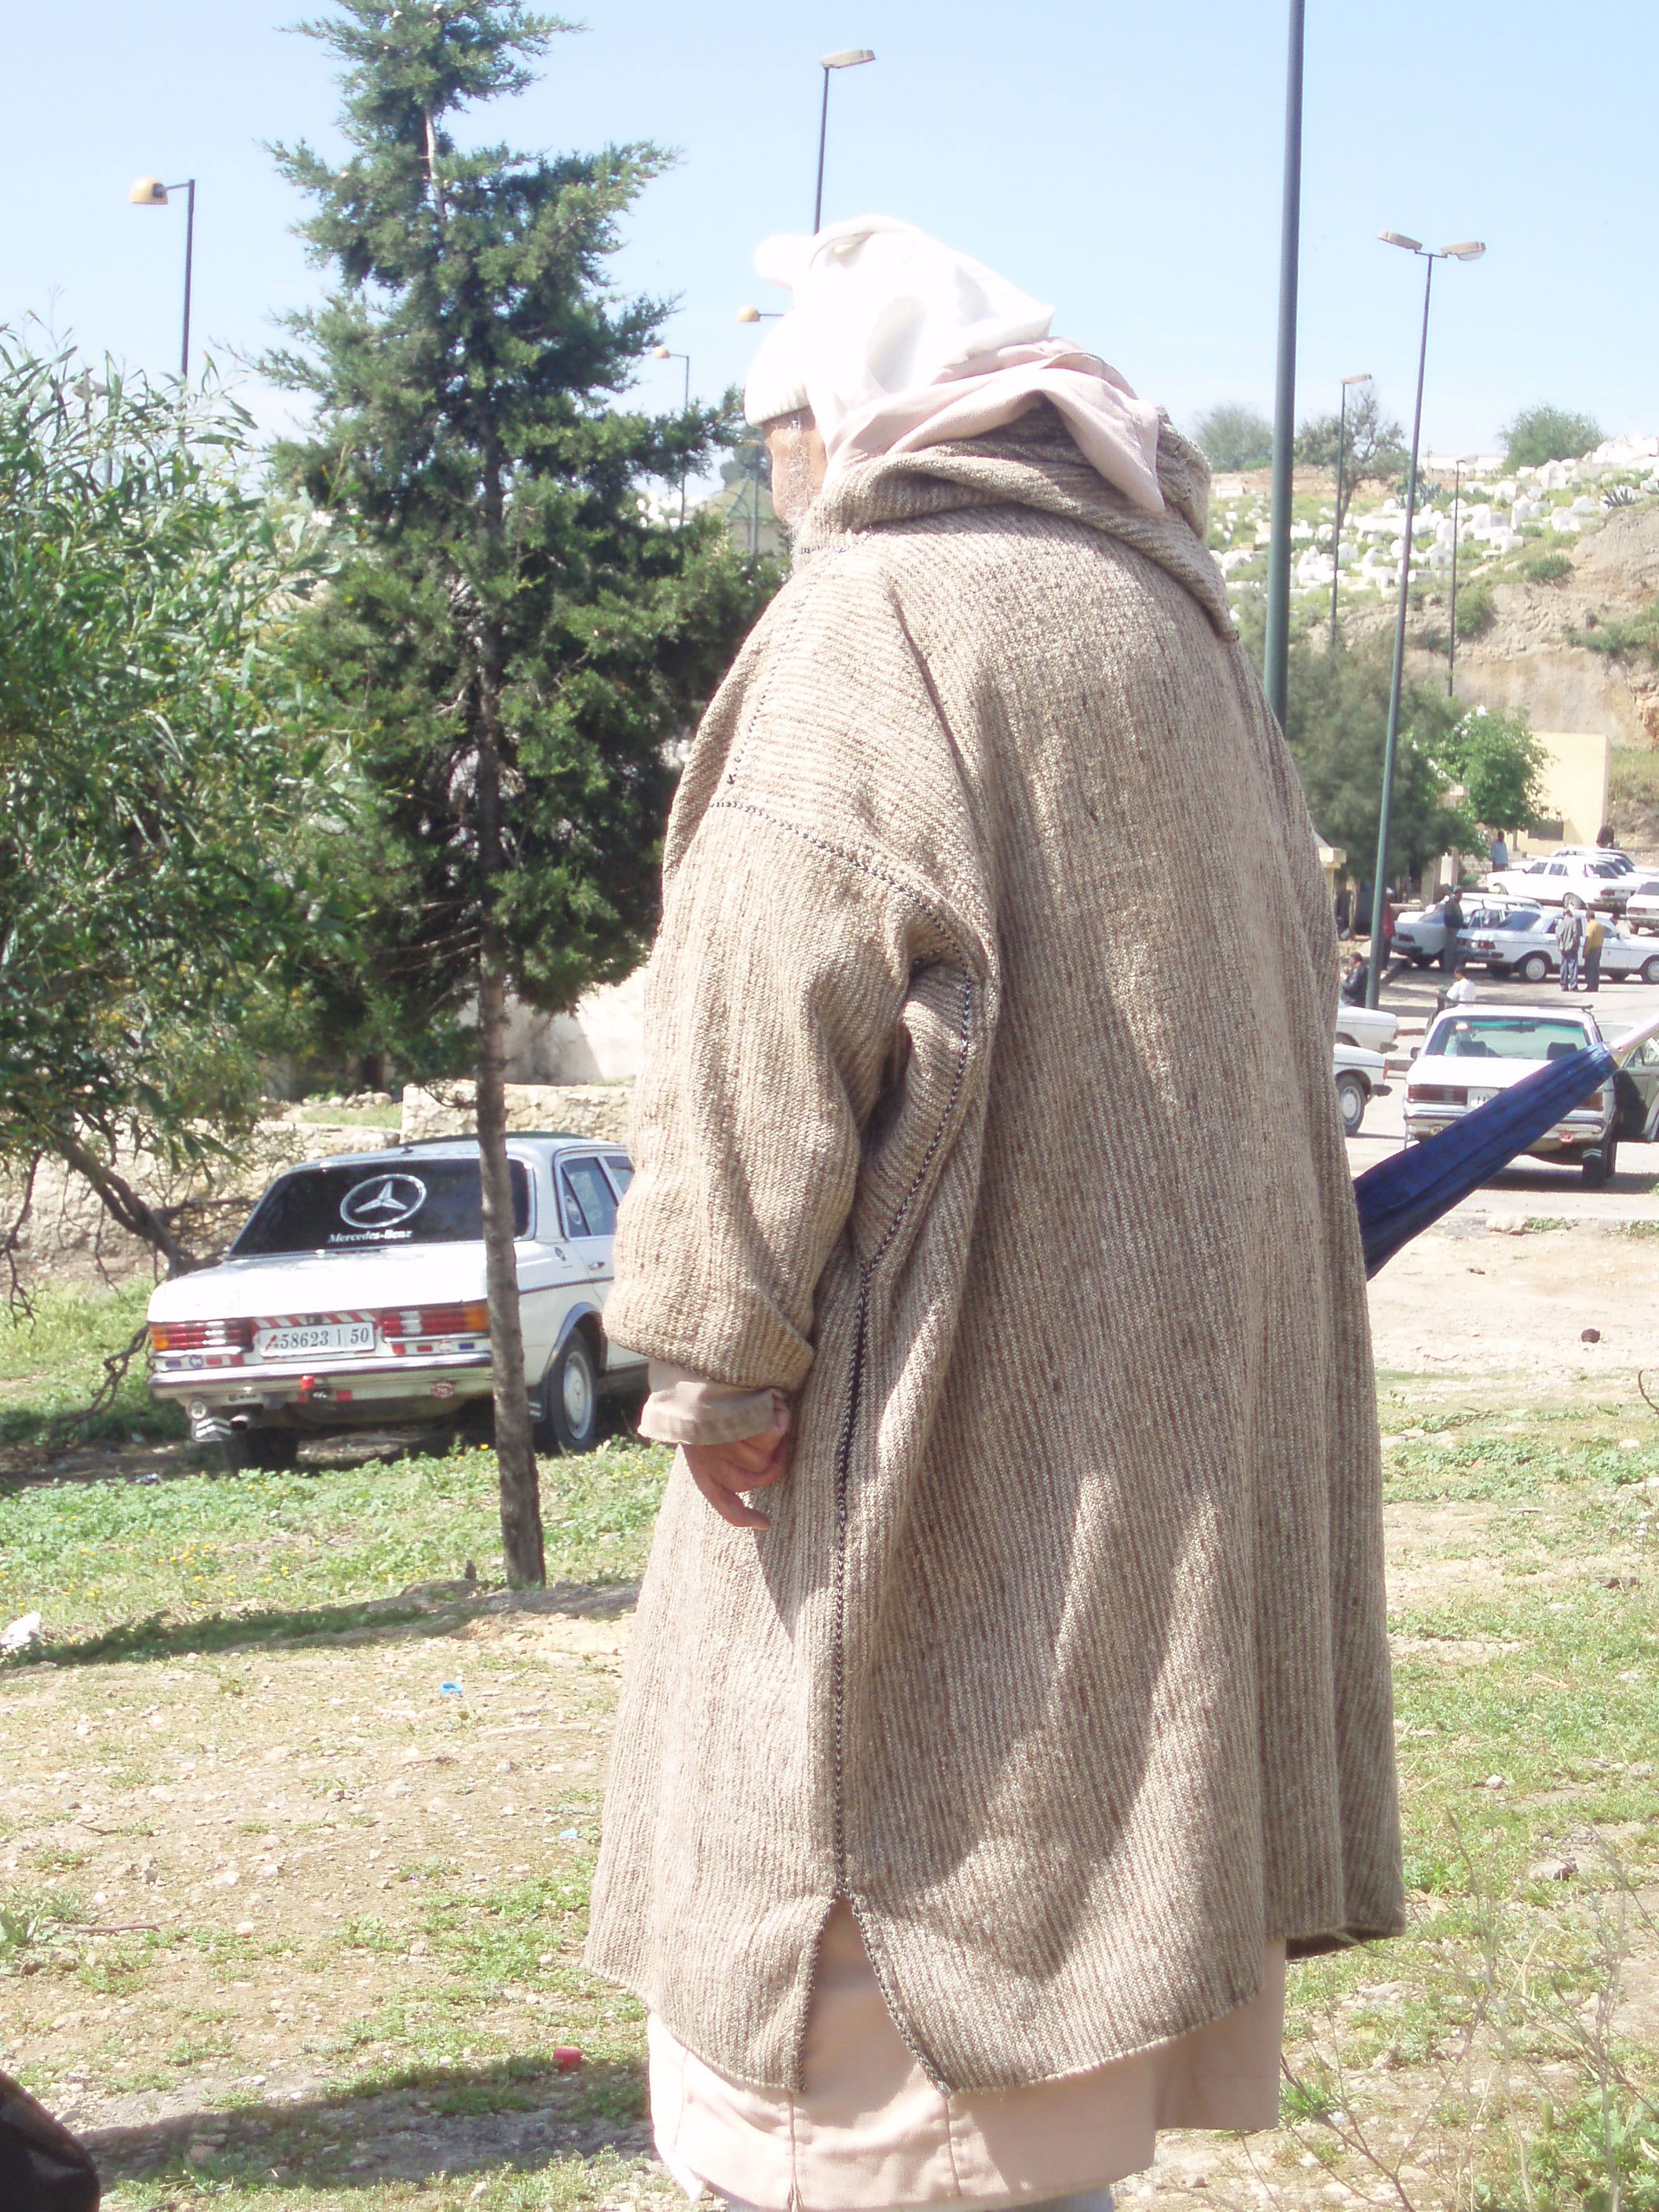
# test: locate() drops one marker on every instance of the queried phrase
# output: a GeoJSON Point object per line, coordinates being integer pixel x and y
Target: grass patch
{"type": "Point", "coordinates": [121, 1569]}
{"type": "Point", "coordinates": [51, 1360]}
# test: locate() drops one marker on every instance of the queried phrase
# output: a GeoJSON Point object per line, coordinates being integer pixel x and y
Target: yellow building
{"type": "Point", "coordinates": [1574, 780]}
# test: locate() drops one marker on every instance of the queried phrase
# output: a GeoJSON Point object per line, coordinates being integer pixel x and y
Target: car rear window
{"type": "Point", "coordinates": [344, 1209]}
{"type": "Point", "coordinates": [1504, 1036]}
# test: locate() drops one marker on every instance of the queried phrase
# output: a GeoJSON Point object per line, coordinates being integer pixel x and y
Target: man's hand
{"type": "Point", "coordinates": [721, 1471]}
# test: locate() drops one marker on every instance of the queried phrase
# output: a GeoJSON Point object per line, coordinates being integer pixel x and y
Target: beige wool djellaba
{"type": "Point", "coordinates": [988, 1110]}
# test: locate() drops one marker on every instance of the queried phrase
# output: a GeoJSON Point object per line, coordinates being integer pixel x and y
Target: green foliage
{"type": "Point", "coordinates": [1547, 568]}
{"type": "Point", "coordinates": [1234, 436]}
{"type": "Point", "coordinates": [159, 845]}
{"type": "Point", "coordinates": [1544, 433]}
{"type": "Point", "coordinates": [516, 637]}
{"type": "Point", "coordinates": [1337, 724]}
{"type": "Point", "coordinates": [1635, 638]}
{"type": "Point", "coordinates": [1602, 2154]}
{"type": "Point", "coordinates": [1500, 764]}
{"type": "Point", "coordinates": [1373, 446]}
{"type": "Point", "coordinates": [1477, 610]}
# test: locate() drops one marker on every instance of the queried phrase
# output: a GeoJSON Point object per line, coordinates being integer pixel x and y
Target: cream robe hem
{"type": "Point", "coordinates": [868, 2130]}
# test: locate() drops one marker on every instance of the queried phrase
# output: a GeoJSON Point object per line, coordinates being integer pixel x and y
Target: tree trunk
{"type": "Point", "coordinates": [521, 1505]}
{"type": "Point", "coordinates": [515, 1454]}
{"type": "Point", "coordinates": [123, 1204]}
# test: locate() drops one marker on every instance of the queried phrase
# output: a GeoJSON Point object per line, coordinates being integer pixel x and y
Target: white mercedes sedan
{"type": "Point", "coordinates": [355, 1298]}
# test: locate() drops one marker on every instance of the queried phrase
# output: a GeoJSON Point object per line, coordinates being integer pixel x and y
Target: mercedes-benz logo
{"type": "Point", "coordinates": [383, 1202]}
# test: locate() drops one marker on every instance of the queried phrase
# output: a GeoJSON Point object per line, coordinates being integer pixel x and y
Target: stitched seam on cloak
{"type": "Point", "coordinates": [947, 931]}
{"type": "Point", "coordinates": [843, 1473]}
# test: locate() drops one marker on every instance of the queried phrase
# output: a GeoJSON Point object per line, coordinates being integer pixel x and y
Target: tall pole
{"type": "Point", "coordinates": [1336, 526]}
{"type": "Point", "coordinates": [1276, 654]}
{"type": "Point", "coordinates": [1451, 626]}
{"type": "Point", "coordinates": [1391, 746]}
{"type": "Point", "coordinates": [823, 133]}
{"type": "Point", "coordinates": [686, 408]}
{"type": "Point", "coordinates": [189, 267]}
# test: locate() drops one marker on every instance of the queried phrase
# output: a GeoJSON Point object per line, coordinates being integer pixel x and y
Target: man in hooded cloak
{"type": "Point", "coordinates": [1009, 1694]}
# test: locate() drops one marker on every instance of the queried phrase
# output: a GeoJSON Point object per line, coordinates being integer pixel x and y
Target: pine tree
{"type": "Point", "coordinates": [516, 635]}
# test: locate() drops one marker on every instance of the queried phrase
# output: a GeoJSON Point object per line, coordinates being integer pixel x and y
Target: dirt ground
{"type": "Point", "coordinates": [286, 1817]}
{"type": "Point", "coordinates": [1484, 1295]}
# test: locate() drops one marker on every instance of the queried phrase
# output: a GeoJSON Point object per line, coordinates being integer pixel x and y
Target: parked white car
{"type": "Point", "coordinates": [1360, 1077]}
{"type": "Point", "coordinates": [1472, 1053]}
{"type": "Point", "coordinates": [1522, 942]}
{"type": "Point", "coordinates": [1605, 881]}
{"type": "Point", "coordinates": [355, 1297]}
{"type": "Point", "coordinates": [1374, 1028]}
{"type": "Point", "coordinates": [1641, 907]}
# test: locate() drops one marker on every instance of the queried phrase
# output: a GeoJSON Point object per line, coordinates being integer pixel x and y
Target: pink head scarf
{"type": "Point", "coordinates": [896, 343]}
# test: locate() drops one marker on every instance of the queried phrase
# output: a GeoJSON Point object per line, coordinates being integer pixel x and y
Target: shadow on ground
{"type": "Point", "coordinates": [428, 1609]}
{"type": "Point", "coordinates": [431, 2124]}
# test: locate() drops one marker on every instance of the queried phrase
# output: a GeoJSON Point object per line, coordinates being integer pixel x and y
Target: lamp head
{"type": "Point", "coordinates": [748, 314]}
{"type": "Point", "coordinates": [1364, 378]}
{"type": "Point", "coordinates": [1398, 237]}
{"type": "Point", "coordinates": [660, 353]}
{"type": "Point", "coordinates": [1470, 249]}
{"type": "Point", "coordinates": [849, 57]}
{"type": "Point", "coordinates": [148, 191]}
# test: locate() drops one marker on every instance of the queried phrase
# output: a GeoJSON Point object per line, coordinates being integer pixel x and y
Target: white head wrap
{"type": "Point", "coordinates": [896, 343]}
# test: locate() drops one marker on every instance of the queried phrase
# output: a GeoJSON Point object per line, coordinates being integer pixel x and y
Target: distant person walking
{"type": "Point", "coordinates": [1569, 943]}
{"type": "Point", "coordinates": [1451, 914]}
{"type": "Point", "coordinates": [1595, 938]}
{"type": "Point", "coordinates": [1499, 851]}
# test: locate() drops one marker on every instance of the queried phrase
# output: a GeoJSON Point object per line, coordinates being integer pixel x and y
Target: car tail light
{"type": "Point", "coordinates": [200, 1335]}
{"type": "Point", "coordinates": [471, 1319]}
{"type": "Point", "coordinates": [1439, 1094]}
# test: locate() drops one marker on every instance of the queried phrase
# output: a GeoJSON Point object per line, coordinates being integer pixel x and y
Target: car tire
{"type": "Point", "coordinates": [272, 1451]}
{"type": "Point", "coordinates": [1535, 969]}
{"type": "Point", "coordinates": [568, 1405]}
{"type": "Point", "coordinates": [1598, 1169]}
{"type": "Point", "coordinates": [1422, 960]}
{"type": "Point", "coordinates": [1649, 971]}
{"type": "Point", "coordinates": [1571, 903]}
{"type": "Point", "coordinates": [1351, 1096]}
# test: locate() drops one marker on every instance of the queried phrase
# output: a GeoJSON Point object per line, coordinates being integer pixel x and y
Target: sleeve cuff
{"type": "Point", "coordinates": [683, 1409]}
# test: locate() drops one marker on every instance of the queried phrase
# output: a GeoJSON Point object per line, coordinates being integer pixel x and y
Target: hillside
{"type": "Point", "coordinates": [1545, 556]}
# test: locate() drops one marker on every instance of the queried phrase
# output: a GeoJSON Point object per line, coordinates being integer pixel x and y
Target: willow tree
{"type": "Point", "coordinates": [519, 631]}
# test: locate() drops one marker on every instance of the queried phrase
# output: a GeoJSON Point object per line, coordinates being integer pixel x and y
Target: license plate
{"type": "Point", "coordinates": [1482, 1097]}
{"type": "Point", "coordinates": [319, 1336]}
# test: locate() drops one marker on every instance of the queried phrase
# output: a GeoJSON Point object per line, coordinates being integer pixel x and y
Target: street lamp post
{"type": "Point", "coordinates": [1275, 657]}
{"type": "Point", "coordinates": [664, 353]}
{"type": "Point", "coordinates": [1470, 249]}
{"type": "Point", "coordinates": [851, 57]}
{"type": "Point", "coordinates": [150, 191]}
{"type": "Point", "coordinates": [1336, 527]}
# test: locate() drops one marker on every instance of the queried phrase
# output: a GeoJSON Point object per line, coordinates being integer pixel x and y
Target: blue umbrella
{"type": "Point", "coordinates": [1400, 1196]}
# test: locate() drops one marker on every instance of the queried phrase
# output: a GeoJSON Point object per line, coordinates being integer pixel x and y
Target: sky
{"type": "Point", "coordinates": [1123, 163]}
